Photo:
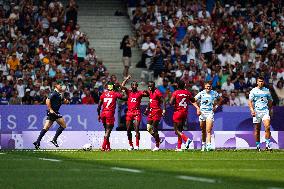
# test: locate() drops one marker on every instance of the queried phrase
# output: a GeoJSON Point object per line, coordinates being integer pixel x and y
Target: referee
{"type": "Point", "coordinates": [53, 102]}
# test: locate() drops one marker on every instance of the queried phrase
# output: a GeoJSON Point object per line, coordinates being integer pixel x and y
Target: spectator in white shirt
{"type": "Point", "coordinates": [228, 86]}
{"type": "Point", "coordinates": [223, 57]}
{"type": "Point", "coordinates": [234, 100]}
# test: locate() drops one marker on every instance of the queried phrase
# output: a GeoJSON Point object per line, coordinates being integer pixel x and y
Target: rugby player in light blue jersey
{"type": "Point", "coordinates": [208, 100]}
{"type": "Point", "coordinates": [260, 104]}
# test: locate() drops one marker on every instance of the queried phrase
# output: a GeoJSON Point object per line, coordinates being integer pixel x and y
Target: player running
{"type": "Point", "coordinates": [53, 102]}
{"type": "Point", "coordinates": [260, 104]}
{"type": "Point", "coordinates": [155, 112]}
{"type": "Point", "coordinates": [208, 100]}
{"type": "Point", "coordinates": [180, 99]}
{"type": "Point", "coordinates": [108, 101]}
{"type": "Point", "coordinates": [133, 115]}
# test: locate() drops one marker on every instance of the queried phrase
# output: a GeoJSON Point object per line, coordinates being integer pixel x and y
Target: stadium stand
{"type": "Point", "coordinates": [226, 42]}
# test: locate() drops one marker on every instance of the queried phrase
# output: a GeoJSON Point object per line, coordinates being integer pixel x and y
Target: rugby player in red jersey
{"type": "Point", "coordinates": [108, 101]}
{"type": "Point", "coordinates": [133, 114]}
{"type": "Point", "coordinates": [181, 99]}
{"type": "Point", "coordinates": [155, 112]}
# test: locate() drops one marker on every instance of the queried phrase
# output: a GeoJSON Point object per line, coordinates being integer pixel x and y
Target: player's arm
{"type": "Point", "coordinates": [250, 104]}
{"type": "Point", "coordinates": [99, 109]}
{"type": "Point", "coordinates": [164, 102]}
{"type": "Point", "coordinates": [172, 100]}
{"type": "Point", "coordinates": [125, 81]}
{"type": "Point", "coordinates": [48, 104]}
{"type": "Point", "coordinates": [193, 101]}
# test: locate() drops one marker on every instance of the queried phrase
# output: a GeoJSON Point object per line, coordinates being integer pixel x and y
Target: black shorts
{"type": "Point", "coordinates": [53, 116]}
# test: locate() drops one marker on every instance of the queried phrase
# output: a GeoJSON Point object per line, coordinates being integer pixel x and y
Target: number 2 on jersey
{"type": "Point", "coordinates": [183, 103]}
{"type": "Point", "coordinates": [108, 101]}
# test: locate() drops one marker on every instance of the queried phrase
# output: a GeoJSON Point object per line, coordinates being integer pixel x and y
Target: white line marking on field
{"type": "Point", "coordinates": [46, 159]}
{"type": "Point", "coordinates": [274, 188]}
{"type": "Point", "coordinates": [126, 169]}
{"type": "Point", "coordinates": [1, 153]}
{"type": "Point", "coordinates": [199, 179]}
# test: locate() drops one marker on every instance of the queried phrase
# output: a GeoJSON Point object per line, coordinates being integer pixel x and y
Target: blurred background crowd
{"type": "Point", "coordinates": [228, 43]}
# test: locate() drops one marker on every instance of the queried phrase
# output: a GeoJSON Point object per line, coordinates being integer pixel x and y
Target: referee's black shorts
{"type": "Point", "coordinates": [53, 116]}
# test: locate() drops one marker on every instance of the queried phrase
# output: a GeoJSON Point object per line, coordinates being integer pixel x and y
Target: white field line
{"type": "Point", "coordinates": [126, 170]}
{"type": "Point", "coordinates": [47, 159]}
{"type": "Point", "coordinates": [140, 159]}
{"type": "Point", "coordinates": [199, 179]}
{"type": "Point", "coordinates": [2, 153]}
{"type": "Point", "coordinates": [274, 188]}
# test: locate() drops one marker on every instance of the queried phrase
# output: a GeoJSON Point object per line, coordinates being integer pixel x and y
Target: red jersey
{"type": "Point", "coordinates": [109, 100]}
{"type": "Point", "coordinates": [155, 99]}
{"type": "Point", "coordinates": [134, 99]}
{"type": "Point", "coordinates": [182, 99]}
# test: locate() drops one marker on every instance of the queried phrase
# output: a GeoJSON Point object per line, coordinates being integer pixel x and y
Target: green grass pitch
{"type": "Point", "coordinates": [142, 169]}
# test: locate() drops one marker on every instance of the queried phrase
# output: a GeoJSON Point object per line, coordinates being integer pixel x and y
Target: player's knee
{"type": "Point", "coordinates": [208, 131]}
{"type": "Point", "coordinates": [267, 129]}
{"type": "Point", "coordinates": [150, 128]}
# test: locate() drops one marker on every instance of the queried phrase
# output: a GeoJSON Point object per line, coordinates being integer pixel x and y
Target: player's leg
{"type": "Point", "coordinates": [129, 134]}
{"type": "Point", "coordinates": [156, 134]}
{"type": "Point", "coordinates": [209, 125]}
{"type": "Point", "coordinates": [137, 133]}
{"type": "Point", "coordinates": [257, 127]}
{"type": "Point", "coordinates": [48, 123]}
{"type": "Point", "coordinates": [62, 126]}
{"type": "Point", "coordinates": [109, 127]}
{"type": "Point", "coordinates": [266, 123]}
{"type": "Point", "coordinates": [203, 130]}
{"type": "Point", "coordinates": [178, 133]}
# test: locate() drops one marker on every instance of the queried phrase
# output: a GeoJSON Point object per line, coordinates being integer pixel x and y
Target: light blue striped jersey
{"type": "Point", "coordinates": [260, 98]}
{"type": "Point", "coordinates": [207, 99]}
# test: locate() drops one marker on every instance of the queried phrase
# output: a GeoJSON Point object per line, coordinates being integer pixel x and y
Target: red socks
{"type": "Point", "coordinates": [104, 144]}
{"type": "Point", "coordinates": [108, 144]}
{"type": "Point", "coordinates": [184, 138]}
{"type": "Point", "coordinates": [130, 142]}
{"type": "Point", "coordinates": [137, 140]}
{"type": "Point", "coordinates": [179, 142]}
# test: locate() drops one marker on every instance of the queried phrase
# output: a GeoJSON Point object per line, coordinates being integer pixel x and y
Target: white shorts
{"type": "Point", "coordinates": [206, 116]}
{"type": "Point", "coordinates": [261, 116]}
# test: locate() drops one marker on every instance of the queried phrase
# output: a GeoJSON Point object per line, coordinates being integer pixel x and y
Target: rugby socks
{"type": "Point", "coordinates": [179, 142]}
{"type": "Point", "coordinates": [137, 140]}
{"type": "Point", "coordinates": [130, 142]}
{"type": "Point", "coordinates": [257, 144]}
{"type": "Point", "coordinates": [267, 141]}
{"type": "Point", "coordinates": [184, 138]}
{"type": "Point", "coordinates": [42, 133]}
{"type": "Point", "coordinates": [58, 132]}
{"type": "Point", "coordinates": [107, 144]}
{"type": "Point", "coordinates": [104, 144]}
{"type": "Point", "coordinates": [157, 138]}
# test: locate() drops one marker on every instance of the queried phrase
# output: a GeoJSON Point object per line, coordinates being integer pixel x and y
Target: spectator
{"type": "Point", "coordinates": [15, 99]}
{"type": "Point", "coordinates": [75, 99]}
{"type": "Point", "coordinates": [234, 100]}
{"type": "Point", "coordinates": [228, 86]}
{"type": "Point", "coordinates": [27, 99]}
{"type": "Point", "coordinates": [165, 88]}
{"type": "Point", "coordinates": [126, 45]}
{"type": "Point", "coordinates": [88, 99]}
{"type": "Point", "coordinates": [4, 99]}
{"type": "Point", "coordinates": [279, 89]}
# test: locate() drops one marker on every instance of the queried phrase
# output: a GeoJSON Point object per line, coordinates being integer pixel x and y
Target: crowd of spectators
{"type": "Point", "coordinates": [40, 43]}
{"type": "Point", "coordinates": [230, 44]}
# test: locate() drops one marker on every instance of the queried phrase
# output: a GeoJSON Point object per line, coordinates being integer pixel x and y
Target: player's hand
{"type": "Point", "coordinates": [253, 113]}
{"type": "Point", "coordinates": [198, 112]}
{"type": "Point", "coordinates": [51, 111]}
{"type": "Point", "coordinates": [271, 112]}
{"type": "Point", "coordinates": [99, 118]}
{"type": "Point", "coordinates": [164, 113]}
{"type": "Point", "coordinates": [146, 112]}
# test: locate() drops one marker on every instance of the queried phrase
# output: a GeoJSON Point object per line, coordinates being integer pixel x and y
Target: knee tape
{"type": "Point", "coordinates": [150, 129]}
